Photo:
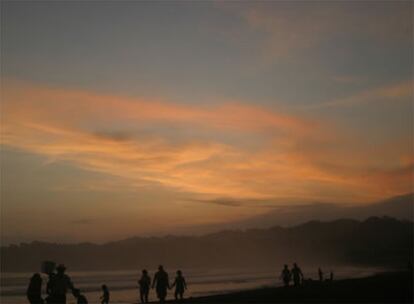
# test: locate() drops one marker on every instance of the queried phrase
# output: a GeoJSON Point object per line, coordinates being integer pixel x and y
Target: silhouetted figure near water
{"type": "Point", "coordinates": [58, 286]}
{"type": "Point", "coordinates": [80, 298]}
{"type": "Point", "coordinates": [34, 291]}
{"type": "Point", "coordinates": [161, 282]}
{"type": "Point", "coordinates": [297, 275]}
{"type": "Point", "coordinates": [180, 285]}
{"type": "Point", "coordinates": [320, 274]}
{"type": "Point", "coordinates": [331, 276]}
{"type": "Point", "coordinates": [285, 276]}
{"type": "Point", "coordinates": [144, 286]}
{"type": "Point", "coordinates": [105, 295]}
{"type": "Point", "coordinates": [49, 297]}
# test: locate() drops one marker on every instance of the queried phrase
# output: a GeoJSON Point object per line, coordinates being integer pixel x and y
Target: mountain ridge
{"type": "Point", "coordinates": [380, 241]}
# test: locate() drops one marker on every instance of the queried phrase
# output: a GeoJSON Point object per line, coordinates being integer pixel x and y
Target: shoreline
{"type": "Point", "coordinates": [387, 287]}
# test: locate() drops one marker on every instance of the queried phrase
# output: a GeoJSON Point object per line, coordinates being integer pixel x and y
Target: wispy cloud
{"type": "Point", "coordinates": [114, 135]}
{"type": "Point", "coordinates": [62, 124]}
{"type": "Point", "coordinates": [297, 26]}
{"type": "Point", "coordinates": [348, 79]}
{"type": "Point", "coordinates": [72, 106]}
{"type": "Point", "coordinates": [220, 202]}
{"type": "Point", "coordinates": [84, 221]}
{"type": "Point", "coordinates": [392, 93]}
{"type": "Point", "coordinates": [267, 203]}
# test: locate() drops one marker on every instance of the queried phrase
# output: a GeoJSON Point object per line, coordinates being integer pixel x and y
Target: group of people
{"type": "Point", "coordinates": [296, 274]}
{"type": "Point", "coordinates": [161, 283]}
{"type": "Point", "coordinates": [60, 283]}
{"type": "Point", "coordinates": [321, 275]}
{"type": "Point", "coordinates": [57, 287]}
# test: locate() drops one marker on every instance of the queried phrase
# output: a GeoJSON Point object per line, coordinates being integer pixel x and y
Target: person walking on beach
{"type": "Point", "coordinates": [34, 291]}
{"type": "Point", "coordinates": [144, 286]}
{"type": "Point", "coordinates": [105, 295]}
{"type": "Point", "coordinates": [161, 282]}
{"type": "Point", "coordinates": [58, 286]}
{"type": "Point", "coordinates": [180, 285]}
{"type": "Point", "coordinates": [297, 275]}
{"type": "Point", "coordinates": [49, 297]}
{"type": "Point", "coordinates": [285, 276]}
{"type": "Point", "coordinates": [320, 274]}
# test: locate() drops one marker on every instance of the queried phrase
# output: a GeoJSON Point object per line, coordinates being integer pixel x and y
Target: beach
{"type": "Point", "coordinates": [392, 287]}
{"type": "Point", "coordinates": [201, 282]}
{"type": "Point", "coordinates": [350, 285]}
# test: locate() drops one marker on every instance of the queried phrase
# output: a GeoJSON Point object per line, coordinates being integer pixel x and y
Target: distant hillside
{"type": "Point", "coordinates": [400, 207]}
{"type": "Point", "coordinates": [375, 241]}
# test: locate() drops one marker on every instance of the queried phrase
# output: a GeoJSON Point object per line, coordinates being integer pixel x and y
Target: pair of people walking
{"type": "Point", "coordinates": [295, 273]}
{"type": "Point", "coordinates": [321, 276]}
{"type": "Point", "coordinates": [57, 286]}
{"type": "Point", "coordinates": [161, 284]}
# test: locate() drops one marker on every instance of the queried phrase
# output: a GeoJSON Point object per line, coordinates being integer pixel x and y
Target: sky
{"type": "Point", "coordinates": [123, 118]}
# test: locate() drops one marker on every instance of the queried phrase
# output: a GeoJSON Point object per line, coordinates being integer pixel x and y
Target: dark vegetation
{"type": "Point", "coordinates": [376, 242]}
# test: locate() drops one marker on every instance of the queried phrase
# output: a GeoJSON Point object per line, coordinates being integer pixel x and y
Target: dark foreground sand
{"type": "Point", "coordinates": [396, 287]}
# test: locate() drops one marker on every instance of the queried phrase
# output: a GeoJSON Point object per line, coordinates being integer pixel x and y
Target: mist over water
{"type": "Point", "coordinates": [229, 260]}
{"type": "Point", "coordinates": [124, 289]}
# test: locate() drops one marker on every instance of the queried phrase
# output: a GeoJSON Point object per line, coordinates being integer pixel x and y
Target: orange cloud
{"type": "Point", "coordinates": [63, 124]}
{"type": "Point", "coordinates": [72, 106]}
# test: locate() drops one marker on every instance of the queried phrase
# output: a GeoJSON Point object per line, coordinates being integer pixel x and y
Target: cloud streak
{"type": "Point", "coordinates": [72, 106]}
{"type": "Point", "coordinates": [294, 27]}
{"type": "Point", "coordinates": [85, 221]}
{"type": "Point", "coordinates": [390, 93]}
{"type": "Point", "coordinates": [62, 125]}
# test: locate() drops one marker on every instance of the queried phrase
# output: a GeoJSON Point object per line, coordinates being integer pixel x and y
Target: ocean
{"type": "Point", "coordinates": [124, 289]}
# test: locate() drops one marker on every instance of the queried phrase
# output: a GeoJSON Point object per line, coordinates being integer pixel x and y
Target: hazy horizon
{"type": "Point", "coordinates": [398, 208]}
{"type": "Point", "coordinates": [152, 118]}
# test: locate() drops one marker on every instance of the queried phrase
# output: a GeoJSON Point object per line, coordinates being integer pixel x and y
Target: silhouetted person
{"type": "Point", "coordinates": [180, 285]}
{"type": "Point", "coordinates": [49, 297]}
{"type": "Point", "coordinates": [285, 275]}
{"type": "Point", "coordinates": [144, 286]}
{"type": "Point", "coordinates": [80, 298]}
{"type": "Point", "coordinates": [105, 295]}
{"type": "Point", "coordinates": [58, 286]}
{"type": "Point", "coordinates": [161, 282]}
{"type": "Point", "coordinates": [331, 276]}
{"type": "Point", "coordinates": [320, 274]}
{"type": "Point", "coordinates": [297, 275]}
{"type": "Point", "coordinates": [34, 290]}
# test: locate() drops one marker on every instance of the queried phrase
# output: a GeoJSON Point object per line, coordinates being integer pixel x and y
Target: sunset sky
{"type": "Point", "coordinates": [123, 118]}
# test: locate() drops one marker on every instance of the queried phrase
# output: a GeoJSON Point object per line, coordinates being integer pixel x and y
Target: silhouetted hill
{"type": "Point", "coordinates": [399, 207]}
{"type": "Point", "coordinates": [375, 241]}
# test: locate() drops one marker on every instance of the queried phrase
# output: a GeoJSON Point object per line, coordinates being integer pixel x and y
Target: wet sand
{"type": "Point", "coordinates": [395, 287]}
